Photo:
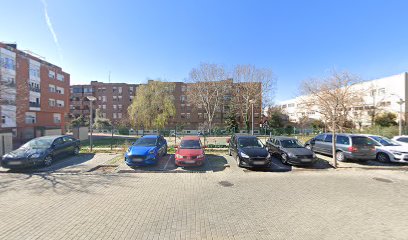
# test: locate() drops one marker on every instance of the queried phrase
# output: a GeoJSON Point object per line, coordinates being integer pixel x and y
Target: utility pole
{"type": "Point", "coordinates": [400, 102]}
{"type": "Point", "coordinates": [91, 99]}
{"type": "Point", "coordinates": [252, 104]}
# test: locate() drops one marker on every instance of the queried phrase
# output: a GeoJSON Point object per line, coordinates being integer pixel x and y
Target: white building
{"type": "Point", "coordinates": [381, 94]}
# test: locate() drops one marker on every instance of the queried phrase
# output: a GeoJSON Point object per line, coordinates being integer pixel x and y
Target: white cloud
{"type": "Point", "coordinates": [51, 28]}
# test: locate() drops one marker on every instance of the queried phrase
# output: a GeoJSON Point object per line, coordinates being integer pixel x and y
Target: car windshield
{"type": "Point", "coordinates": [190, 144]}
{"type": "Point", "coordinates": [145, 142]}
{"type": "Point", "coordinates": [384, 141]}
{"type": "Point", "coordinates": [249, 142]}
{"type": "Point", "coordinates": [291, 143]}
{"type": "Point", "coordinates": [38, 143]}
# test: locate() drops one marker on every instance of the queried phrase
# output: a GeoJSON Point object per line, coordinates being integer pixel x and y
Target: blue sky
{"type": "Point", "coordinates": [137, 40]}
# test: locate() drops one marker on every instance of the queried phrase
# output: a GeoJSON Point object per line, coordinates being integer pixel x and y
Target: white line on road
{"type": "Point", "coordinates": [168, 160]}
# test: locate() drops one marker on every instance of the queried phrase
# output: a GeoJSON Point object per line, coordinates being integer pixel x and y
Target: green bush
{"type": "Point", "coordinates": [382, 131]}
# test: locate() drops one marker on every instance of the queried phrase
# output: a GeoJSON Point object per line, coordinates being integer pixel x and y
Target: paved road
{"type": "Point", "coordinates": [230, 204]}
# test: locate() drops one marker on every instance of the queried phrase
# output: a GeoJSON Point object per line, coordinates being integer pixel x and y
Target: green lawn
{"type": "Point", "coordinates": [106, 143]}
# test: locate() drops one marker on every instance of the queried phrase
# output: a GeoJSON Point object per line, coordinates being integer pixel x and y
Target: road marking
{"type": "Point", "coordinates": [165, 166]}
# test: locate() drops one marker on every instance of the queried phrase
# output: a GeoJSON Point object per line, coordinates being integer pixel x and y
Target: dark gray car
{"type": "Point", "coordinates": [290, 150]}
{"type": "Point", "coordinates": [348, 146]}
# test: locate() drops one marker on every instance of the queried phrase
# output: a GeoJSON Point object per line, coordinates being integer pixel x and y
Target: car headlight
{"type": "Point", "coordinates": [35, 155]}
{"type": "Point", "coordinates": [291, 155]}
{"type": "Point", "coordinates": [200, 156]}
{"type": "Point", "coordinates": [179, 156]}
{"type": "Point", "coordinates": [244, 155]}
{"type": "Point", "coordinates": [151, 151]}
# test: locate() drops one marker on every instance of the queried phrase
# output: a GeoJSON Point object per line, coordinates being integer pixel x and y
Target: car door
{"type": "Point", "coordinates": [317, 143]}
{"type": "Point", "coordinates": [327, 144]}
{"type": "Point", "coordinates": [58, 147]}
{"type": "Point", "coordinates": [69, 145]}
{"type": "Point", "coordinates": [234, 145]}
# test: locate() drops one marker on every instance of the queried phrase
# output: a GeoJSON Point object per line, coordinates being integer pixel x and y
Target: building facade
{"type": "Point", "coordinates": [378, 95]}
{"type": "Point", "coordinates": [113, 100]}
{"type": "Point", "coordinates": [34, 94]}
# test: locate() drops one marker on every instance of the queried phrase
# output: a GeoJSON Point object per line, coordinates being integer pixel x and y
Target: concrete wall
{"type": "Point", "coordinates": [6, 143]}
{"type": "Point", "coordinates": [80, 133]}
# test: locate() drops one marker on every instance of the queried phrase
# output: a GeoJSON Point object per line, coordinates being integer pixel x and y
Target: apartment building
{"type": "Point", "coordinates": [34, 94]}
{"type": "Point", "coordinates": [113, 100]}
{"type": "Point", "coordinates": [379, 95]}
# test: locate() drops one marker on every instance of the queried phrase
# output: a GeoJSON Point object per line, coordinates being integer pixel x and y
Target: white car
{"type": "Point", "coordinates": [389, 151]}
{"type": "Point", "coordinates": [403, 140]}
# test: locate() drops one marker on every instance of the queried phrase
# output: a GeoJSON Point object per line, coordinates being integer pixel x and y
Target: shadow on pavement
{"type": "Point", "coordinates": [58, 164]}
{"type": "Point", "coordinates": [213, 163]}
{"type": "Point", "coordinates": [278, 166]}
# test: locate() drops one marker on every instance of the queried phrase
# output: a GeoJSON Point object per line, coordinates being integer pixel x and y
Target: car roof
{"type": "Point", "coordinates": [52, 137]}
{"type": "Point", "coordinates": [150, 136]}
{"type": "Point", "coordinates": [349, 134]}
{"type": "Point", "coordinates": [190, 138]}
{"type": "Point", "coordinates": [283, 138]}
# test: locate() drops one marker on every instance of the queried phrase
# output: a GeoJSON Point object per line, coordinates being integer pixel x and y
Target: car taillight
{"type": "Point", "coordinates": [352, 149]}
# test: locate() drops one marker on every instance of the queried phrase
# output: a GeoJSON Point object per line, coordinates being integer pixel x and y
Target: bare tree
{"type": "Point", "coordinates": [207, 90]}
{"type": "Point", "coordinates": [254, 85]}
{"type": "Point", "coordinates": [333, 97]}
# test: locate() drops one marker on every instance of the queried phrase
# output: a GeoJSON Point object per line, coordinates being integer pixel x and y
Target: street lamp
{"type": "Point", "coordinates": [252, 102]}
{"type": "Point", "coordinates": [91, 99]}
{"type": "Point", "coordinates": [400, 102]}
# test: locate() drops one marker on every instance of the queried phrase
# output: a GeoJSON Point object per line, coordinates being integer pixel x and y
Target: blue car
{"type": "Point", "coordinates": [146, 151]}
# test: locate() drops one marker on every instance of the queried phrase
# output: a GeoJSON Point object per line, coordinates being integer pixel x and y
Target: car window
{"type": "Point", "coordinates": [403, 139]}
{"type": "Point", "coordinates": [58, 141]}
{"type": "Point", "coordinates": [291, 143]}
{"type": "Point", "coordinates": [328, 138]}
{"type": "Point", "coordinates": [362, 141]}
{"type": "Point", "coordinates": [68, 139]}
{"type": "Point", "coordinates": [249, 142]}
{"type": "Point", "coordinates": [319, 138]}
{"type": "Point", "coordinates": [145, 142]}
{"type": "Point", "coordinates": [190, 144]}
{"type": "Point", "coordinates": [342, 140]}
{"type": "Point", "coordinates": [384, 141]}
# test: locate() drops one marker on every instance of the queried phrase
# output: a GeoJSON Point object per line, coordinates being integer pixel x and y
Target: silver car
{"type": "Point", "coordinates": [348, 146]}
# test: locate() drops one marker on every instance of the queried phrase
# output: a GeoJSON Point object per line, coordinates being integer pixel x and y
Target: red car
{"type": "Point", "coordinates": [190, 152]}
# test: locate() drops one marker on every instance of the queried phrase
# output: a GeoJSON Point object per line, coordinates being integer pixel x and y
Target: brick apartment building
{"type": "Point", "coordinates": [113, 99]}
{"type": "Point", "coordinates": [34, 94]}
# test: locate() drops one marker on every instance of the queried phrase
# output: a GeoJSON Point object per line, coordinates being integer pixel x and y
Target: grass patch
{"type": "Point", "coordinates": [107, 142]}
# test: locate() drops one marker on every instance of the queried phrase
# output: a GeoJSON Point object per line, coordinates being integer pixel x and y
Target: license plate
{"type": "Point", "coordinates": [137, 159]}
{"type": "Point", "coordinates": [258, 162]}
{"type": "Point", "coordinates": [305, 160]}
{"type": "Point", "coordinates": [14, 163]}
{"type": "Point", "coordinates": [189, 161]}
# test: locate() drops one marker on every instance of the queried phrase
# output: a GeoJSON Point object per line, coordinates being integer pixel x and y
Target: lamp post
{"type": "Point", "coordinates": [91, 99]}
{"type": "Point", "coordinates": [400, 102]}
{"type": "Point", "coordinates": [252, 102]}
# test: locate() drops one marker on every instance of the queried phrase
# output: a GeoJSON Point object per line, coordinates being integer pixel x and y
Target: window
{"type": "Point", "coordinates": [60, 103]}
{"type": "Point", "coordinates": [99, 98]}
{"type": "Point", "coordinates": [78, 90]}
{"type": "Point", "coordinates": [60, 77]}
{"type": "Point", "coordinates": [373, 92]}
{"type": "Point", "coordinates": [7, 63]}
{"type": "Point", "coordinates": [34, 71]}
{"type": "Point", "coordinates": [183, 88]}
{"type": "Point", "coordinates": [115, 98]}
{"type": "Point", "coordinates": [60, 90]}
{"type": "Point", "coordinates": [114, 107]}
{"type": "Point", "coordinates": [68, 139]}
{"type": "Point", "coordinates": [188, 115]}
{"type": "Point", "coordinates": [183, 115]}
{"type": "Point", "coordinates": [120, 89]}
{"type": "Point", "coordinates": [114, 115]}
{"type": "Point", "coordinates": [328, 138]}
{"type": "Point", "coordinates": [103, 98]}
{"type": "Point", "coordinates": [51, 74]}
{"type": "Point", "coordinates": [381, 91]}
{"type": "Point", "coordinates": [3, 119]}
{"type": "Point", "coordinates": [119, 115]}
{"type": "Point", "coordinates": [104, 115]}
{"type": "Point", "coordinates": [57, 118]}
{"type": "Point", "coordinates": [103, 106]}
{"type": "Point", "coordinates": [183, 98]}
{"type": "Point", "coordinates": [342, 140]}
{"type": "Point", "coordinates": [114, 89]}
{"type": "Point", "coordinates": [30, 118]}
{"type": "Point", "coordinates": [131, 98]}
{"type": "Point", "coordinates": [120, 106]}
{"type": "Point", "coordinates": [51, 102]}
{"type": "Point", "coordinates": [51, 88]}
{"type": "Point", "coordinates": [119, 98]}
{"type": "Point", "coordinates": [291, 105]}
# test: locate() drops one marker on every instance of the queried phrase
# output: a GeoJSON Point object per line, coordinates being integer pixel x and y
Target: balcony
{"type": "Point", "coordinates": [34, 105]}
{"type": "Point", "coordinates": [34, 89]}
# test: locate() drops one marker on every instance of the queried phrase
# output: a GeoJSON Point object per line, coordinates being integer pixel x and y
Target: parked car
{"type": "Point", "coordinates": [190, 152]}
{"type": "Point", "coordinates": [389, 151]}
{"type": "Point", "coordinates": [348, 146]}
{"type": "Point", "coordinates": [403, 140]}
{"type": "Point", "coordinates": [248, 151]}
{"type": "Point", "coordinates": [41, 151]}
{"type": "Point", "coordinates": [146, 150]}
{"type": "Point", "coordinates": [290, 151]}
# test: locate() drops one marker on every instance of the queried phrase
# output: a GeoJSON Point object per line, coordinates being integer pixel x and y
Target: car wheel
{"type": "Point", "coordinates": [383, 157]}
{"type": "Point", "coordinates": [239, 164]}
{"type": "Point", "coordinates": [229, 152]}
{"type": "Point", "coordinates": [48, 160]}
{"type": "Point", "coordinates": [284, 158]}
{"type": "Point", "coordinates": [76, 151]}
{"type": "Point", "coordinates": [340, 156]}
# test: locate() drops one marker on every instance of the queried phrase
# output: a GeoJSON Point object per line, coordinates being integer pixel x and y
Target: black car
{"type": "Point", "coordinates": [248, 151]}
{"type": "Point", "coordinates": [41, 151]}
{"type": "Point", "coordinates": [290, 151]}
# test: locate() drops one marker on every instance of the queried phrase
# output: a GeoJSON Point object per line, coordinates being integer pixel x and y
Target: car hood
{"type": "Point", "coordinates": [140, 150]}
{"type": "Point", "coordinates": [298, 151]}
{"type": "Point", "coordinates": [190, 152]}
{"type": "Point", "coordinates": [255, 152]}
{"type": "Point", "coordinates": [24, 152]}
{"type": "Point", "coordinates": [394, 148]}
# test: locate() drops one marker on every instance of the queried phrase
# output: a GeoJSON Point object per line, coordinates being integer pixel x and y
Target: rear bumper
{"type": "Point", "coordinates": [357, 157]}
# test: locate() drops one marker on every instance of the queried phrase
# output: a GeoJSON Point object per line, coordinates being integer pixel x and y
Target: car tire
{"type": "Point", "coordinates": [229, 152]}
{"type": "Point", "coordinates": [76, 151]}
{"type": "Point", "coordinates": [383, 157]}
{"type": "Point", "coordinates": [48, 160]}
{"type": "Point", "coordinates": [238, 160]}
{"type": "Point", "coordinates": [340, 156]}
{"type": "Point", "coordinates": [284, 158]}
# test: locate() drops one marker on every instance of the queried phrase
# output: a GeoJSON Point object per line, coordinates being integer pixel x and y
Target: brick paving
{"type": "Point", "coordinates": [335, 204]}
